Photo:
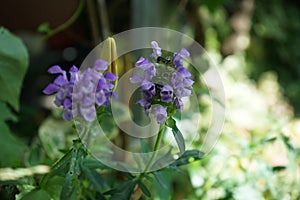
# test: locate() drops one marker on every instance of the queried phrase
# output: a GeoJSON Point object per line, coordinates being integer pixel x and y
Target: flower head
{"type": "Point", "coordinates": [163, 84]}
{"type": "Point", "coordinates": [82, 92]}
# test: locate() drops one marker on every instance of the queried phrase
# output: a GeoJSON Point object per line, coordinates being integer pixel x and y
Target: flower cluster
{"type": "Point", "coordinates": [163, 82]}
{"type": "Point", "coordinates": [79, 92]}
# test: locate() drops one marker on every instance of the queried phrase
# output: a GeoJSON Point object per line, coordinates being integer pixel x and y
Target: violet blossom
{"type": "Point", "coordinates": [82, 92]}
{"type": "Point", "coordinates": [163, 84]}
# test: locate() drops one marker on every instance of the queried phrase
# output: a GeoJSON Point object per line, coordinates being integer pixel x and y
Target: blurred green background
{"type": "Point", "coordinates": [255, 45]}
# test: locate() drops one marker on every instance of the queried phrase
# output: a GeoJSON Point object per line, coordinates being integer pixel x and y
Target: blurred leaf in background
{"type": "Point", "coordinates": [13, 65]}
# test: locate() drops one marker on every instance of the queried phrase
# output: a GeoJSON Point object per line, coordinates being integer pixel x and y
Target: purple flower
{"type": "Point", "coordinates": [156, 50]}
{"type": "Point", "coordinates": [56, 70]}
{"type": "Point", "coordinates": [182, 92]}
{"type": "Point", "coordinates": [166, 94]}
{"type": "Point", "coordinates": [67, 114]}
{"type": "Point", "coordinates": [136, 79]}
{"type": "Point", "coordinates": [149, 70]}
{"type": "Point", "coordinates": [183, 71]}
{"type": "Point", "coordinates": [143, 63]}
{"type": "Point", "coordinates": [162, 84]}
{"type": "Point", "coordinates": [110, 76]}
{"type": "Point", "coordinates": [73, 74]}
{"type": "Point", "coordinates": [82, 92]}
{"type": "Point", "coordinates": [160, 114]}
{"type": "Point", "coordinates": [51, 88]}
{"type": "Point", "coordinates": [149, 88]}
{"type": "Point", "coordinates": [178, 56]}
{"type": "Point", "coordinates": [180, 83]}
{"type": "Point", "coordinates": [89, 113]}
{"type": "Point", "coordinates": [100, 65]}
{"type": "Point", "coordinates": [178, 104]}
{"type": "Point", "coordinates": [146, 105]}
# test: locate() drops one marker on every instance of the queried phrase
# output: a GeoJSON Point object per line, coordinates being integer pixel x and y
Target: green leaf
{"type": "Point", "coordinates": [278, 168]}
{"type": "Point", "coordinates": [92, 163]}
{"type": "Point", "coordinates": [61, 167]}
{"type": "Point", "coordinates": [286, 141]}
{"type": "Point", "coordinates": [96, 180]}
{"type": "Point", "coordinates": [179, 139]}
{"type": "Point", "coordinates": [177, 134]}
{"type": "Point", "coordinates": [53, 187]}
{"type": "Point", "coordinates": [5, 113]}
{"type": "Point", "coordinates": [52, 134]}
{"type": "Point", "coordinates": [71, 178]}
{"type": "Point", "coordinates": [160, 179]}
{"type": "Point", "coordinates": [123, 191]}
{"type": "Point", "coordinates": [162, 183]}
{"type": "Point", "coordinates": [14, 63]}
{"type": "Point", "coordinates": [69, 167]}
{"type": "Point", "coordinates": [37, 194]}
{"type": "Point", "coordinates": [188, 157]}
{"type": "Point", "coordinates": [144, 189]}
{"type": "Point", "coordinates": [12, 149]}
{"type": "Point", "coordinates": [267, 140]}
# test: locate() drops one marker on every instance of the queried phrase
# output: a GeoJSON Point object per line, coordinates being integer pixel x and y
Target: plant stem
{"type": "Point", "coordinates": [93, 22]}
{"type": "Point", "coordinates": [156, 146]}
{"type": "Point", "coordinates": [69, 22]}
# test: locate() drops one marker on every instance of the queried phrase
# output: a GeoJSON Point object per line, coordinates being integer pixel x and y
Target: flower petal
{"type": "Point", "coordinates": [100, 98]}
{"type": "Point", "coordinates": [184, 53]}
{"type": "Point", "coordinates": [136, 79]}
{"type": "Point", "coordinates": [87, 101]}
{"type": "Point", "coordinates": [89, 113]}
{"type": "Point", "coordinates": [60, 80]}
{"type": "Point", "coordinates": [67, 103]}
{"type": "Point", "coordinates": [110, 76]}
{"type": "Point", "coordinates": [100, 65]}
{"type": "Point", "coordinates": [156, 50]}
{"type": "Point", "coordinates": [55, 70]}
{"type": "Point", "coordinates": [183, 71]}
{"type": "Point", "coordinates": [73, 69]}
{"type": "Point", "coordinates": [145, 104]}
{"type": "Point", "coordinates": [143, 63]}
{"type": "Point", "coordinates": [67, 114]}
{"type": "Point", "coordinates": [179, 104]}
{"type": "Point", "coordinates": [160, 114]}
{"type": "Point", "coordinates": [50, 89]}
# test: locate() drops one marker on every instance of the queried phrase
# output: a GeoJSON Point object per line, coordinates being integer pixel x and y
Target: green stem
{"type": "Point", "coordinates": [156, 147]}
{"type": "Point", "coordinates": [68, 23]}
